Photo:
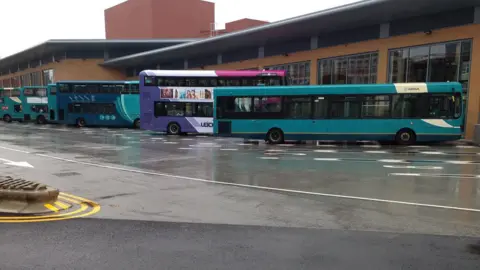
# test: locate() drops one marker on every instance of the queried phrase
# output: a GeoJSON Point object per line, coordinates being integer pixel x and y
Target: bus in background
{"type": "Point", "coordinates": [35, 103]}
{"type": "Point", "coordinates": [52, 103]}
{"type": "Point", "coordinates": [98, 103]}
{"type": "Point", "coordinates": [405, 113]}
{"type": "Point", "coordinates": [11, 105]}
{"type": "Point", "coordinates": [181, 101]}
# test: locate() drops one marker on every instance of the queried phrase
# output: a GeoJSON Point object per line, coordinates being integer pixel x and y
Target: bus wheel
{"type": "Point", "coordinates": [173, 129]}
{"type": "Point", "coordinates": [136, 124]}
{"type": "Point", "coordinates": [81, 122]}
{"type": "Point", "coordinates": [41, 120]}
{"type": "Point", "coordinates": [275, 136]}
{"type": "Point", "coordinates": [405, 137]}
{"type": "Point", "coordinates": [7, 118]}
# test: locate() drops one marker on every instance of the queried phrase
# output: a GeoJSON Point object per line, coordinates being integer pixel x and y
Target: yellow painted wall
{"type": "Point", "coordinates": [75, 69]}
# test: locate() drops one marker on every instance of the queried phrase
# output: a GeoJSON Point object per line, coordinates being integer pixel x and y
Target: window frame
{"type": "Point", "coordinates": [287, 67]}
{"type": "Point", "coordinates": [347, 57]}
{"type": "Point", "coordinates": [429, 45]}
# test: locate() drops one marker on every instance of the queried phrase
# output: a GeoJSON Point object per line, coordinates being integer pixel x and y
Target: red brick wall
{"type": "Point", "coordinates": [137, 19]}
{"type": "Point", "coordinates": [242, 24]}
{"type": "Point", "coordinates": [182, 18]}
{"type": "Point", "coordinates": [129, 20]}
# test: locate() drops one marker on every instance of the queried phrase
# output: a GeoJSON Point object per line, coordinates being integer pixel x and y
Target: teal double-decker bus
{"type": "Point", "coordinates": [97, 103]}
{"type": "Point", "coordinates": [405, 113]}
{"type": "Point", "coordinates": [11, 108]}
{"type": "Point", "coordinates": [35, 103]}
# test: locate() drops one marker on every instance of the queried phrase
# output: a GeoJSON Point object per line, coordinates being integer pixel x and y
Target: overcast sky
{"type": "Point", "coordinates": [26, 23]}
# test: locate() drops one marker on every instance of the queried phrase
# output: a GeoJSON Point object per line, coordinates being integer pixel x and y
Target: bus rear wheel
{"type": "Point", "coordinates": [41, 120]}
{"type": "Point", "coordinates": [405, 137]}
{"type": "Point", "coordinates": [173, 129]}
{"type": "Point", "coordinates": [275, 136]}
{"type": "Point", "coordinates": [81, 122]}
{"type": "Point", "coordinates": [136, 124]}
{"type": "Point", "coordinates": [7, 118]}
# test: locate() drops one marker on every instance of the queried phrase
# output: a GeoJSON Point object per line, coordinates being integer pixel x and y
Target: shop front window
{"type": "Point", "coordinates": [432, 63]}
{"type": "Point", "coordinates": [353, 69]}
{"type": "Point", "coordinates": [298, 73]}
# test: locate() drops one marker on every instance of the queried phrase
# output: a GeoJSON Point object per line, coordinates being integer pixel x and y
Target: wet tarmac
{"type": "Point", "coordinates": [135, 175]}
{"type": "Point", "coordinates": [429, 174]}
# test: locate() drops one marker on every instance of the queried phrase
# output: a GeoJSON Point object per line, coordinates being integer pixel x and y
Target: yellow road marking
{"type": "Point", "coordinates": [51, 207]}
{"type": "Point", "coordinates": [82, 208]}
{"type": "Point", "coordinates": [68, 199]}
{"type": "Point", "coordinates": [62, 205]}
{"type": "Point", "coordinates": [82, 202]}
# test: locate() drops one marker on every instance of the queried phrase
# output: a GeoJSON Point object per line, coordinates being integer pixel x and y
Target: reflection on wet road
{"type": "Point", "coordinates": [438, 175]}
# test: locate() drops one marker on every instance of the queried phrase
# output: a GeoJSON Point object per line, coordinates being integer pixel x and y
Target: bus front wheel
{"type": "Point", "coordinates": [7, 118]}
{"type": "Point", "coordinates": [136, 124]}
{"type": "Point", "coordinates": [81, 122]}
{"type": "Point", "coordinates": [173, 129]}
{"type": "Point", "coordinates": [405, 137]}
{"type": "Point", "coordinates": [41, 120]}
{"type": "Point", "coordinates": [275, 136]}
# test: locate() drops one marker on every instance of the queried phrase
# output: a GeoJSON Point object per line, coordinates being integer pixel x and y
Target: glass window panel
{"type": "Point", "coordinates": [373, 68]}
{"type": "Point", "coordinates": [267, 104]}
{"type": "Point", "coordinates": [298, 73]}
{"type": "Point", "coordinates": [325, 75]}
{"type": "Point", "coordinates": [410, 106]}
{"type": "Point", "coordinates": [344, 107]}
{"type": "Point", "coordinates": [464, 73]}
{"type": "Point", "coordinates": [320, 107]}
{"type": "Point", "coordinates": [175, 109]}
{"type": "Point", "coordinates": [48, 76]}
{"type": "Point", "coordinates": [398, 66]}
{"type": "Point", "coordinates": [243, 104]}
{"type": "Point", "coordinates": [444, 62]}
{"type": "Point", "coordinates": [203, 109]}
{"type": "Point", "coordinates": [358, 69]}
{"type": "Point", "coordinates": [417, 64]}
{"type": "Point", "coordinates": [298, 107]}
{"type": "Point", "coordinates": [376, 107]}
{"type": "Point", "coordinates": [340, 70]}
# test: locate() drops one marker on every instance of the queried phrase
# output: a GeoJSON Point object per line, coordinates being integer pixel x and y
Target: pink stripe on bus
{"type": "Point", "coordinates": [249, 73]}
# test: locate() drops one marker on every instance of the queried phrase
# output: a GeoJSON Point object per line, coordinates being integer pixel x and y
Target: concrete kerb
{"type": "Point", "coordinates": [25, 197]}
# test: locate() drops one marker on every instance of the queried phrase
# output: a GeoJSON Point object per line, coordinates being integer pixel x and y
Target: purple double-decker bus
{"type": "Point", "coordinates": [181, 101]}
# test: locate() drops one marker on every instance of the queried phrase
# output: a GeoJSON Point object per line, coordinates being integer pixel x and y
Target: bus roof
{"type": "Point", "coordinates": [102, 82]}
{"type": "Point", "coordinates": [343, 89]}
{"type": "Point", "coordinates": [213, 73]}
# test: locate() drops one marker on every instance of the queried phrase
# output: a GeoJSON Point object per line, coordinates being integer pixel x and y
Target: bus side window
{"type": "Point", "coordinates": [203, 82]}
{"type": "Point", "coordinates": [160, 109]}
{"type": "Point", "coordinates": [191, 82]}
{"type": "Point", "coordinates": [159, 81]}
{"type": "Point", "coordinates": [179, 82]}
{"type": "Point", "coordinates": [170, 82]}
{"type": "Point", "coordinates": [248, 82]}
{"type": "Point", "coordinates": [2, 100]}
{"type": "Point", "coordinates": [64, 88]}
{"type": "Point", "coordinates": [134, 89]}
{"type": "Point", "coordinates": [221, 82]}
{"type": "Point", "coordinates": [213, 82]}
{"type": "Point", "coordinates": [233, 82]}
{"type": "Point", "coordinates": [15, 93]}
{"type": "Point", "coordinates": [150, 81]}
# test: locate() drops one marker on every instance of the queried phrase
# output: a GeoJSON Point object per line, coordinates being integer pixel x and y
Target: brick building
{"type": "Point", "coordinates": [372, 41]}
{"type": "Point", "coordinates": [141, 19]}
